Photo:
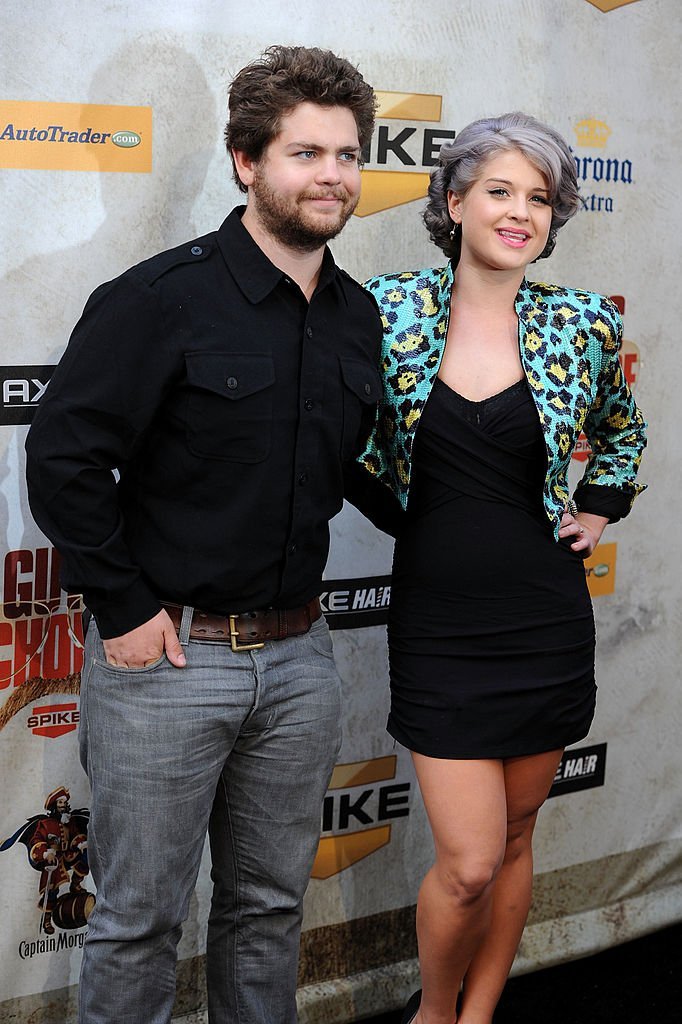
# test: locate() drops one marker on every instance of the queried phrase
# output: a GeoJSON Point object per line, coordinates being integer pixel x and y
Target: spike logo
{"type": "Point", "coordinates": [362, 793]}
{"type": "Point", "coordinates": [53, 720]}
{"type": "Point", "coordinates": [399, 157]}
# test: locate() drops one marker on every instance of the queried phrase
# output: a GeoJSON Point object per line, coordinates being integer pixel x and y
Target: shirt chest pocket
{"type": "Point", "coordinates": [361, 390]}
{"type": "Point", "coordinates": [230, 405]}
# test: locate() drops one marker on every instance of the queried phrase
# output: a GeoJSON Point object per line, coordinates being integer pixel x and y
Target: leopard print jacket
{"type": "Point", "coordinates": [569, 342]}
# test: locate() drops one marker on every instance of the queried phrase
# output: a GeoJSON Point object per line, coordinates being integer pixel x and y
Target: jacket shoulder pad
{"type": "Point", "coordinates": [406, 278]}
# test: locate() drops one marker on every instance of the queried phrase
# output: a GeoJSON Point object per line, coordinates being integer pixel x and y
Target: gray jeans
{"type": "Point", "coordinates": [241, 745]}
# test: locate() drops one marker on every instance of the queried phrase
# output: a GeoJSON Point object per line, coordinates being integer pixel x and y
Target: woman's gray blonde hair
{"type": "Point", "coordinates": [460, 162]}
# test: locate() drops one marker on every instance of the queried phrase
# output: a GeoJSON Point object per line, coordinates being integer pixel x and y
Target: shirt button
{"type": "Point", "coordinates": [368, 389]}
{"type": "Point", "coordinates": [293, 549]}
{"type": "Point", "coordinates": [303, 479]}
{"type": "Point", "coordinates": [196, 250]}
{"type": "Point", "coordinates": [309, 405]}
{"type": "Point", "coordinates": [309, 331]}
{"type": "Point", "coordinates": [232, 383]}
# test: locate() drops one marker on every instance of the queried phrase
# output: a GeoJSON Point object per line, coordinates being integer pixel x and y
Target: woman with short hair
{"type": "Point", "coordinates": [488, 381]}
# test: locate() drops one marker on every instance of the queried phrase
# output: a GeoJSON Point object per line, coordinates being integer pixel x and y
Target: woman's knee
{"type": "Point", "coordinates": [466, 880]}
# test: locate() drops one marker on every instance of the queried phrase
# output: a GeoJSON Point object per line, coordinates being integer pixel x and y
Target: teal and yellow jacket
{"type": "Point", "coordinates": [569, 342]}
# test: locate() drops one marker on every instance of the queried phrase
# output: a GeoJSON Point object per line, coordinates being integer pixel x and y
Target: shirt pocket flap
{"type": "Point", "coordinates": [362, 379]}
{"type": "Point", "coordinates": [232, 375]}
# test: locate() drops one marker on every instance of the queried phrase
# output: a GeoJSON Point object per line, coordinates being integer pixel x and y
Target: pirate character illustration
{"type": "Point", "coordinates": [57, 847]}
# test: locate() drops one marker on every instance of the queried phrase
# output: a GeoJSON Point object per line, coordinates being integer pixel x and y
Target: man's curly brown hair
{"type": "Point", "coordinates": [284, 76]}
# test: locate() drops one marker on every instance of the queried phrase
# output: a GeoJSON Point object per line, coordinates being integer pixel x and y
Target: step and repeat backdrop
{"type": "Point", "coordinates": [111, 119]}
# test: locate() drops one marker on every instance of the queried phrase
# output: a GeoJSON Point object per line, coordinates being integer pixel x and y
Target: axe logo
{"type": "Point", "coordinates": [22, 389]}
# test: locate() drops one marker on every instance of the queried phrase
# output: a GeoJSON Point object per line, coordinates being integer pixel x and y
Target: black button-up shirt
{"type": "Point", "coordinates": [228, 405]}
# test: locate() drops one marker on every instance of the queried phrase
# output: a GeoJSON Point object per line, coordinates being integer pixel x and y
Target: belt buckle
{"type": "Point", "coordinates": [234, 638]}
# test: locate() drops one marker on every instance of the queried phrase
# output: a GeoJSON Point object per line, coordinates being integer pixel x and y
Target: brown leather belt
{"type": "Point", "coordinates": [249, 631]}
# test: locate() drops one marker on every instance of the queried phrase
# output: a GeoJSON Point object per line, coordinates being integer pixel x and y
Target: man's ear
{"type": "Point", "coordinates": [245, 166]}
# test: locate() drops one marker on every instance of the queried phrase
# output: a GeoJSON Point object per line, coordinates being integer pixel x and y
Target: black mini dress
{"type": "Point", "coordinates": [491, 632]}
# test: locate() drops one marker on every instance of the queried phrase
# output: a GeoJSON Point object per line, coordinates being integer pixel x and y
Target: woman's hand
{"type": "Point", "coordinates": [585, 528]}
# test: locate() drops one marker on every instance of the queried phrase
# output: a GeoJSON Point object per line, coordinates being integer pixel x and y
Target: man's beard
{"type": "Point", "coordinates": [285, 219]}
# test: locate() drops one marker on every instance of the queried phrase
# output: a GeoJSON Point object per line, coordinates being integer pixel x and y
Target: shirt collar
{"type": "Point", "coordinates": [251, 268]}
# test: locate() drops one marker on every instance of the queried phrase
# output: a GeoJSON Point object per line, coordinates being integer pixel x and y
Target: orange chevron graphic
{"type": "Point", "coordinates": [362, 773]}
{"type": "Point", "coordinates": [383, 189]}
{"type": "Point", "coordinates": [338, 852]}
{"type": "Point", "coordinates": [409, 106]}
{"type": "Point", "coordinates": [610, 5]}
{"type": "Point", "coordinates": [335, 853]}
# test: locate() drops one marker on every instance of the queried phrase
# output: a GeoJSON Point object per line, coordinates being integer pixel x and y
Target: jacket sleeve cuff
{"type": "Point", "coordinates": [604, 500]}
{"type": "Point", "coordinates": [119, 613]}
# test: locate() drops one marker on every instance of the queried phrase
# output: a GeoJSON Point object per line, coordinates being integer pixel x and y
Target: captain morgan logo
{"type": "Point", "coordinates": [75, 137]}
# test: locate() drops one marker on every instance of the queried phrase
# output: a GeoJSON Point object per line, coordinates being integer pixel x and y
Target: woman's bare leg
{"type": "Point", "coordinates": [467, 809]}
{"type": "Point", "coordinates": [527, 783]}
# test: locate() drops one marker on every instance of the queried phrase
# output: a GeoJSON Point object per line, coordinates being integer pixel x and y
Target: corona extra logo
{"type": "Point", "coordinates": [599, 170]}
{"type": "Point", "coordinates": [591, 132]}
{"type": "Point", "coordinates": [395, 161]}
{"type": "Point", "coordinates": [363, 793]}
{"type": "Point", "coordinates": [610, 5]}
{"type": "Point", "coordinates": [600, 569]}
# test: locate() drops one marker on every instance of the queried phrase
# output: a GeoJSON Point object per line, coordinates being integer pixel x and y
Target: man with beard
{"type": "Point", "coordinates": [227, 383]}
